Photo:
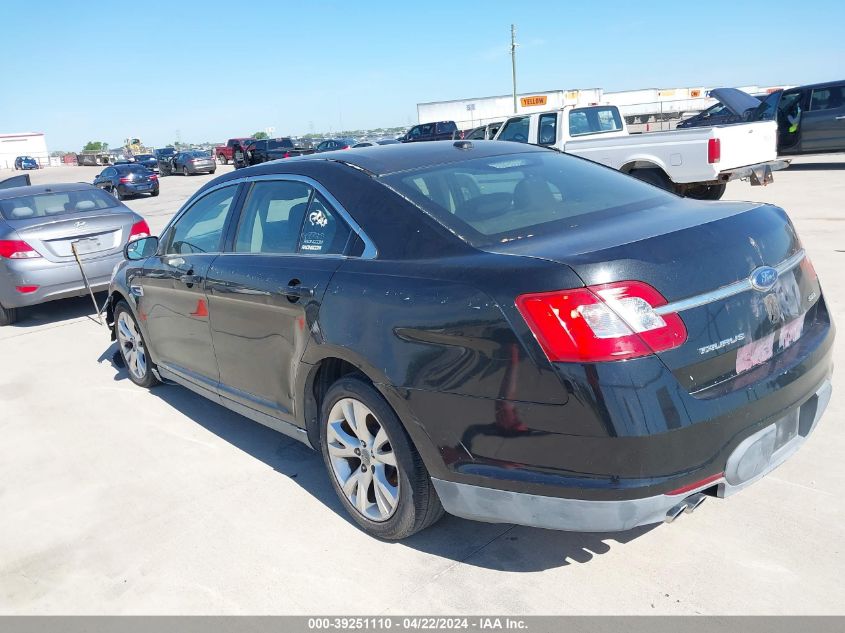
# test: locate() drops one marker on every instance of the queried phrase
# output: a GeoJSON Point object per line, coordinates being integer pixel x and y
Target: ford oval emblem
{"type": "Point", "coordinates": [763, 278]}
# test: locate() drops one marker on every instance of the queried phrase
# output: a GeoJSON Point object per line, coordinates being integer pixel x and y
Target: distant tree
{"type": "Point", "coordinates": [94, 146]}
{"type": "Point", "coordinates": [260, 135]}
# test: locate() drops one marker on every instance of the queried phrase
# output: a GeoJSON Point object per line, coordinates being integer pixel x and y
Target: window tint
{"type": "Point", "coordinates": [476, 135]}
{"type": "Point", "coordinates": [446, 127]}
{"type": "Point", "coordinates": [499, 199]}
{"type": "Point", "coordinates": [827, 98]}
{"type": "Point", "coordinates": [323, 232]}
{"type": "Point", "coordinates": [594, 120]}
{"type": "Point", "coordinates": [200, 228]}
{"type": "Point", "coordinates": [516, 130]}
{"type": "Point", "coordinates": [548, 128]}
{"type": "Point", "coordinates": [427, 129]}
{"type": "Point", "coordinates": [279, 143]}
{"type": "Point", "coordinates": [272, 217]}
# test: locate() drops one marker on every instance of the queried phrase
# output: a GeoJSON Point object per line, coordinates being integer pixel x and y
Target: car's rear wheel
{"type": "Point", "coordinates": [222, 159]}
{"type": "Point", "coordinates": [8, 315]}
{"type": "Point", "coordinates": [375, 470]}
{"type": "Point", "coordinates": [133, 348]}
{"type": "Point", "coordinates": [154, 193]}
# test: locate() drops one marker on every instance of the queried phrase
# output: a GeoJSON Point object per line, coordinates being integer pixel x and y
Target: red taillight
{"type": "Point", "coordinates": [808, 269]}
{"type": "Point", "coordinates": [125, 180]}
{"type": "Point", "coordinates": [287, 155]}
{"type": "Point", "coordinates": [714, 150]}
{"type": "Point", "coordinates": [17, 249]}
{"type": "Point", "coordinates": [153, 177]}
{"type": "Point", "coordinates": [139, 229]}
{"type": "Point", "coordinates": [26, 289]}
{"type": "Point", "coordinates": [697, 484]}
{"type": "Point", "coordinates": [600, 323]}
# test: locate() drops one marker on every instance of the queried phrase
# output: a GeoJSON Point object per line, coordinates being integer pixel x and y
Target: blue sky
{"type": "Point", "coordinates": [82, 71]}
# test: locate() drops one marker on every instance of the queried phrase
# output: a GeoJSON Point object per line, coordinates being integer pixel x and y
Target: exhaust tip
{"type": "Point", "coordinates": [693, 501]}
{"type": "Point", "coordinates": [675, 511]}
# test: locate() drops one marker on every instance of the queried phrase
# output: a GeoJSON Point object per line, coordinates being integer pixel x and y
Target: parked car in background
{"type": "Point", "coordinates": [39, 226]}
{"type": "Point", "coordinates": [194, 162]}
{"type": "Point", "coordinates": [272, 149]}
{"type": "Point", "coordinates": [26, 162]}
{"type": "Point", "coordinates": [333, 144]}
{"type": "Point", "coordinates": [165, 157]}
{"type": "Point", "coordinates": [381, 141]}
{"type": "Point", "coordinates": [223, 153]}
{"type": "Point", "coordinates": [811, 119]}
{"type": "Point", "coordinates": [483, 132]}
{"type": "Point", "coordinates": [147, 160]}
{"type": "Point", "coordinates": [696, 162]}
{"type": "Point", "coordinates": [439, 131]}
{"type": "Point", "coordinates": [614, 351]}
{"type": "Point", "coordinates": [127, 179]}
{"type": "Point", "coordinates": [735, 106]}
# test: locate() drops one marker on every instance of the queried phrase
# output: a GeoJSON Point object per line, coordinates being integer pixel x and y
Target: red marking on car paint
{"type": "Point", "coordinates": [696, 484]}
{"type": "Point", "coordinates": [301, 323]}
{"type": "Point", "coordinates": [143, 315]}
{"type": "Point", "coordinates": [202, 309]}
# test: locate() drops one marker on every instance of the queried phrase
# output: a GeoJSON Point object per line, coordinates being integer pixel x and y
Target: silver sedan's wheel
{"type": "Point", "coordinates": [362, 459]}
{"type": "Point", "coordinates": [132, 347]}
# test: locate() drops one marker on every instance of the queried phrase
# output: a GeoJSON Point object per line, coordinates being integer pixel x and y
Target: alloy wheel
{"type": "Point", "coordinates": [132, 346]}
{"type": "Point", "coordinates": [362, 459]}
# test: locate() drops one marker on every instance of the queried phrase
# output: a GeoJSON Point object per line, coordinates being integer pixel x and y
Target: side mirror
{"type": "Point", "coordinates": [136, 250]}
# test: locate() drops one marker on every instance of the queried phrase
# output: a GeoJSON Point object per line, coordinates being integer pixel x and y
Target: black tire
{"type": "Point", "coordinates": [656, 177]}
{"type": "Point", "coordinates": [116, 193]}
{"type": "Point", "coordinates": [148, 379]}
{"type": "Point", "coordinates": [8, 315]}
{"type": "Point", "coordinates": [212, 171]}
{"type": "Point", "coordinates": [222, 159]}
{"type": "Point", "coordinates": [154, 193]}
{"type": "Point", "coordinates": [708, 192]}
{"type": "Point", "coordinates": [185, 171]}
{"type": "Point", "coordinates": [418, 505]}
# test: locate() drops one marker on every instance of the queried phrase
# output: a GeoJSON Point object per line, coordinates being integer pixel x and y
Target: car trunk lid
{"type": "Point", "coordinates": [701, 257]}
{"type": "Point", "coordinates": [96, 235]}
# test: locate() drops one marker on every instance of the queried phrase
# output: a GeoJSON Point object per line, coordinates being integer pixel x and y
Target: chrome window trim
{"type": "Point", "coordinates": [370, 250]}
{"type": "Point", "coordinates": [724, 292]}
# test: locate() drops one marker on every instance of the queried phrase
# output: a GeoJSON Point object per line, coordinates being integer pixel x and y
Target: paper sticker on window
{"type": "Point", "coordinates": [318, 218]}
{"type": "Point", "coordinates": [791, 332]}
{"type": "Point", "coordinates": [755, 353]}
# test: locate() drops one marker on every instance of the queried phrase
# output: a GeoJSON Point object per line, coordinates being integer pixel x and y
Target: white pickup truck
{"type": "Point", "coordinates": [695, 162]}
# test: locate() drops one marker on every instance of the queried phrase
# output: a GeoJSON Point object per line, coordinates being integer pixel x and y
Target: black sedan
{"type": "Point", "coordinates": [127, 179]}
{"type": "Point", "coordinates": [147, 160]}
{"type": "Point", "coordinates": [334, 144]}
{"type": "Point", "coordinates": [510, 334]}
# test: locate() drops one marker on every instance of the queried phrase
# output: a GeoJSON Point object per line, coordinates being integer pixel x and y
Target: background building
{"type": "Point", "coordinates": [24, 144]}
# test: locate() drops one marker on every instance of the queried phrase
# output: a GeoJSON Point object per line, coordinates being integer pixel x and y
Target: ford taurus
{"type": "Point", "coordinates": [504, 332]}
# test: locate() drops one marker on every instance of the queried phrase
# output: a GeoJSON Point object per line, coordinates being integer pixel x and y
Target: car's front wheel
{"type": "Point", "coordinates": [133, 348]}
{"type": "Point", "coordinates": [374, 468]}
{"type": "Point", "coordinates": [8, 315]}
{"type": "Point", "coordinates": [184, 171]}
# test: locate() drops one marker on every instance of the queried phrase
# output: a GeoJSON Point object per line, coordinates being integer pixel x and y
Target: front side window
{"type": "Point", "coordinates": [427, 129]}
{"type": "Point", "coordinates": [594, 120]}
{"type": "Point", "coordinates": [548, 129]}
{"type": "Point", "coordinates": [516, 130]}
{"type": "Point", "coordinates": [200, 228]}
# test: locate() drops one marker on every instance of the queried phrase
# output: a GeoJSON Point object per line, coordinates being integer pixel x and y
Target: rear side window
{"type": "Point", "coordinates": [446, 127]}
{"type": "Point", "coordinates": [286, 217]}
{"type": "Point", "coordinates": [827, 98]}
{"type": "Point", "coordinates": [594, 120]}
{"type": "Point", "coordinates": [516, 130]}
{"type": "Point", "coordinates": [56, 203]}
{"type": "Point", "coordinates": [503, 198]}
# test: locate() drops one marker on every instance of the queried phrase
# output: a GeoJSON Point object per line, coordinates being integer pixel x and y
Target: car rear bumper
{"type": "Point", "coordinates": [54, 280]}
{"type": "Point", "coordinates": [754, 457]}
{"type": "Point", "coordinates": [138, 189]}
{"type": "Point", "coordinates": [203, 169]}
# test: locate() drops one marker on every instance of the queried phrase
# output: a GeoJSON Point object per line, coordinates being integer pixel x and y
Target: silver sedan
{"type": "Point", "coordinates": [39, 226]}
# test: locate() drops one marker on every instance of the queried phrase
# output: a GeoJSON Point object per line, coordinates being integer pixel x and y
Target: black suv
{"type": "Point", "coordinates": [439, 131]}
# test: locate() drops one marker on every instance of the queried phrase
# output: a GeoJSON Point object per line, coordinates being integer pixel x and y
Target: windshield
{"type": "Point", "coordinates": [515, 196]}
{"type": "Point", "coordinates": [55, 203]}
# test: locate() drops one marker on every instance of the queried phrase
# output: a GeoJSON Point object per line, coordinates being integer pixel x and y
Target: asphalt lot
{"type": "Point", "coordinates": [118, 500]}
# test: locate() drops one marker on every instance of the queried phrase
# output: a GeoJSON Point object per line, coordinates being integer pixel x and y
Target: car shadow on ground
{"type": "Point", "coordinates": [492, 546]}
{"type": "Point", "coordinates": [816, 166]}
{"type": "Point", "coordinates": [56, 312]}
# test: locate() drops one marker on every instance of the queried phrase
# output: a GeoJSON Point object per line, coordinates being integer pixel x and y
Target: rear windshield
{"type": "Point", "coordinates": [56, 203]}
{"type": "Point", "coordinates": [594, 120]}
{"type": "Point", "coordinates": [280, 143]}
{"type": "Point", "coordinates": [515, 196]}
{"type": "Point", "coordinates": [132, 169]}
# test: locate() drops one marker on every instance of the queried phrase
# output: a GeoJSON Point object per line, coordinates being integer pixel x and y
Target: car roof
{"type": "Point", "coordinates": [31, 190]}
{"type": "Point", "coordinates": [826, 84]}
{"type": "Point", "coordinates": [386, 159]}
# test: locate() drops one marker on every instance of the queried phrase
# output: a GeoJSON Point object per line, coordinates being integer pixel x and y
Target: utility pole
{"type": "Point", "coordinates": [513, 63]}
